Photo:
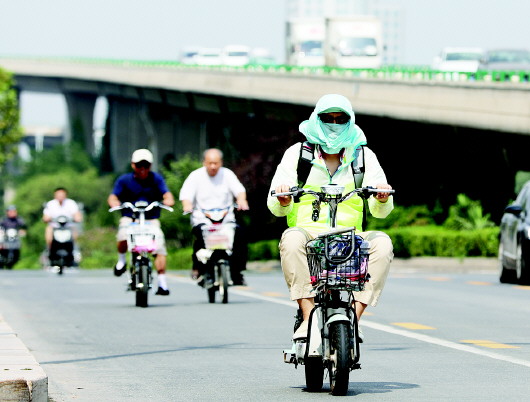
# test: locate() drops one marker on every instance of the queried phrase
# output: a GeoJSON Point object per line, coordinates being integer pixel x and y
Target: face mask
{"type": "Point", "coordinates": [337, 137]}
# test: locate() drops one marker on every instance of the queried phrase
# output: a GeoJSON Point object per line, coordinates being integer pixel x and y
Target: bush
{"type": "Point", "coordinates": [264, 250]}
{"type": "Point", "coordinates": [441, 242]}
{"type": "Point", "coordinates": [175, 225]}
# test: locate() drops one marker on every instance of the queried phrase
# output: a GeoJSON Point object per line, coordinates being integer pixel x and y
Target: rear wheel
{"type": "Point", "coordinates": [142, 286]}
{"type": "Point", "coordinates": [314, 373]}
{"type": "Point", "coordinates": [209, 283]}
{"type": "Point", "coordinates": [223, 282]}
{"type": "Point", "coordinates": [339, 365]}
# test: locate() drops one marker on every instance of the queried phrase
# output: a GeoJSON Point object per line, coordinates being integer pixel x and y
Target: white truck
{"type": "Point", "coordinates": [353, 42]}
{"type": "Point", "coordinates": [304, 42]}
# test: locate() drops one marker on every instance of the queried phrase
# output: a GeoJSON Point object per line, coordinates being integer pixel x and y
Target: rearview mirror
{"type": "Point", "coordinates": [514, 209]}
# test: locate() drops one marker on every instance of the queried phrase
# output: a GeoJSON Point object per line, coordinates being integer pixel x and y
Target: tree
{"type": "Point", "coordinates": [10, 131]}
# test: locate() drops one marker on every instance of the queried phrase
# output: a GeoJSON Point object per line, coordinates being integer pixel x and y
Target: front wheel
{"type": "Point", "coordinates": [339, 365]}
{"type": "Point", "coordinates": [505, 275]}
{"type": "Point", "coordinates": [142, 286]}
{"type": "Point", "coordinates": [314, 373]}
{"type": "Point", "coordinates": [523, 275]}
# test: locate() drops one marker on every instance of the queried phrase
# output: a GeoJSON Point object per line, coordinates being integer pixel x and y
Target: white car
{"type": "Point", "coordinates": [209, 57]}
{"type": "Point", "coordinates": [236, 55]}
{"type": "Point", "coordinates": [458, 59]}
{"type": "Point", "coordinates": [189, 55]}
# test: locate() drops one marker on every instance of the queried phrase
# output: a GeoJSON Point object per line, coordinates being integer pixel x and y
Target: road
{"type": "Point", "coordinates": [434, 336]}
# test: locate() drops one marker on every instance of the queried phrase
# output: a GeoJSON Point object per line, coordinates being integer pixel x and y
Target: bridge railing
{"type": "Point", "coordinates": [398, 72]}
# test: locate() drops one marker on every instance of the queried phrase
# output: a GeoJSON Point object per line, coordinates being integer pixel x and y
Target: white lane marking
{"type": "Point", "coordinates": [391, 330]}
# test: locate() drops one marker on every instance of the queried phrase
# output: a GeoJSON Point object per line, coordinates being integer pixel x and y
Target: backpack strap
{"type": "Point", "coordinates": [357, 166]}
{"type": "Point", "coordinates": [307, 154]}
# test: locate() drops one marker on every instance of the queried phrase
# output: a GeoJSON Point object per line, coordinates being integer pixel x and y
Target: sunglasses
{"type": "Point", "coordinates": [143, 165]}
{"type": "Point", "coordinates": [328, 118]}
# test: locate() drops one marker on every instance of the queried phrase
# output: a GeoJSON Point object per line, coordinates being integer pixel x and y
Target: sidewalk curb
{"type": "Point", "coordinates": [21, 376]}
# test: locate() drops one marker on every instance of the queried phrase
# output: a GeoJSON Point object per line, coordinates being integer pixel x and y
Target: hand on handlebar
{"type": "Point", "coordinates": [383, 197]}
{"type": "Point", "coordinates": [284, 200]}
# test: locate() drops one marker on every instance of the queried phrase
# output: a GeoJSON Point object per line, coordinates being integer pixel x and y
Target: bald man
{"type": "Point", "coordinates": [214, 186]}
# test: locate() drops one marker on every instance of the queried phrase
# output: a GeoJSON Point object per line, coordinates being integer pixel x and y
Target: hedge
{"type": "Point", "coordinates": [417, 241]}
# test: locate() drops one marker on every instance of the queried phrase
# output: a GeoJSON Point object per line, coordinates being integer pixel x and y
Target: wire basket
{"type": "Point", "coordinates": [141, 238]}
{"type": "Point", "coordinates": [218, 237]}
{"type": "Point", "coordinates": [342, 268]}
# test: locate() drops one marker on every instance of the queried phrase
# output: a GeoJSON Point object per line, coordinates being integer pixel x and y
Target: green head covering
{"type": "Point", "coordinates": [333, 137]}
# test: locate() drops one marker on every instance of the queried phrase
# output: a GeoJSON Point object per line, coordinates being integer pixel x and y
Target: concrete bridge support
{"type": "Point", "coordinates": [168, 132]}
{"type": "Point", "coordinates": [81, 118]}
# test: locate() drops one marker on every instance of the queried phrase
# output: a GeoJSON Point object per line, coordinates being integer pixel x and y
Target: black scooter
{"type": "Point", "coordinates": [61, 254]}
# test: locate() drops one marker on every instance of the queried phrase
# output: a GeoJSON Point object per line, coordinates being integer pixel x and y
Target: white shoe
{"type": "Point", "coordinates": [301, 332]}
{"type": "Point", "coordinates": [361, 335]}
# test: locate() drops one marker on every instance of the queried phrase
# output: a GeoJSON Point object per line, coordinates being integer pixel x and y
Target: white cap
{"type": "Point", "coordinates": [142, 155]}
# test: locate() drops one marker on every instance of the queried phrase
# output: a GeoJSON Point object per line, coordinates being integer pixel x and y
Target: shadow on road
{"type": "Point", "coordinates": [88, 359]}
{"type": "Point", "coordinates": [357, 388]}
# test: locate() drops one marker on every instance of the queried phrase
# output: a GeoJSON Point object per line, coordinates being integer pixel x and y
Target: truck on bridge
{"type": "Point", "coordinates": [353, 42]}
{"type": "Point", "coordinates": [345, 41]}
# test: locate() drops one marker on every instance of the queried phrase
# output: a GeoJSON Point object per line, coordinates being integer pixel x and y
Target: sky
{"type": "Point", "coordinates": [159, 29]}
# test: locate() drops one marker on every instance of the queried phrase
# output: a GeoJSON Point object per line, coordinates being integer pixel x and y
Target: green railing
{"type": "Point", "coordinates": [401, 73]}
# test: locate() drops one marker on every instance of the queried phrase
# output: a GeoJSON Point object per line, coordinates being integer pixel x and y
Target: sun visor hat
{"type": "Point", "coordinates": [142, 155]}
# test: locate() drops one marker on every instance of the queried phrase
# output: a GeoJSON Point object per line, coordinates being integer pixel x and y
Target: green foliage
{"type": "Point", "coordinates": [72, 157]}
{"type": "Point", "coordinates": [521, 177]}
{"type": "Point", "coordinates": [264, 250]}
{"type": "Point", "coordinates": [85, 187]}
{"type": "Point", "coordinates": [10, 131]}
{"type": "Point", "coordinates": [418, 215]}
{"type": "Point", "coordinates": [441, 242]}
{"type": "Point", "coordinates": [467, 214]}
{"type": "Point", "coordinates": [98, 248]}
{"type": "Point", "coordinates": [176, 226]}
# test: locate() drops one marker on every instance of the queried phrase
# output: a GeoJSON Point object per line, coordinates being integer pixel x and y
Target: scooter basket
{"type": "Point", "coordinates": [141, 238]}
{"type": "Point", "coordinates": [218, 237]}
{"type": "Point", "coordinates": [341, 268]}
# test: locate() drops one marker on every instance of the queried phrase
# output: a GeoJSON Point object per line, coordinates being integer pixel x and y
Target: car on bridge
{"type": "Point", "coordinates": [209, 57]}
{"type": "Point", "coordinates": [514, 240]}
{"type": "Point", "coordinates": [500, 60]}
{"type": "Point", "coordinates": [458, 59]}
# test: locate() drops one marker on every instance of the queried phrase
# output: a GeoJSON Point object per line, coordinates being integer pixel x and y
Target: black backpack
{"type": "Point", "coordinates": [307, 154]}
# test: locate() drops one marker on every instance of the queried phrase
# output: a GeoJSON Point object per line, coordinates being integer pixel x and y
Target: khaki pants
{"type": "Point", "coordinates": [296, 270]}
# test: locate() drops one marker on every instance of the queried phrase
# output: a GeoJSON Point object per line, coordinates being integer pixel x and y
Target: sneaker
{"type": "Point", "coordinates": [200, 281]}
{"type": "Point", "coordinates": [162, 292]}
{"type": "Point", "coordinates": [361, 335]}
{"type": "Point", "coordinates": [301, 332]}
{"type": "Point", "coordinates": [239, 280]}
{"type": "Point", "coordinates": [119, 271]}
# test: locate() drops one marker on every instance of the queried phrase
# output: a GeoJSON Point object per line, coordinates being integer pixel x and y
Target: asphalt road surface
{"type": "Point", "coordinates": [434, 336]}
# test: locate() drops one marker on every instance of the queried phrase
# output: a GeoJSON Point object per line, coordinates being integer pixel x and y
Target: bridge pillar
{"type": "Point", "coordinates": [168, 132]}
{"type": "Point", "coordinates": [80, 108]}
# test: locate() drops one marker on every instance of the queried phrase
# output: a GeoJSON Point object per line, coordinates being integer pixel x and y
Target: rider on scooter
{"type": "Point", "coordinates": [214, 186]}
{"type": "Point", "coordinates": [61, 205]}
{"type": "Point", "coordinates": [331, 128]}
{"type": "Point", "coordinates": [142, 185]}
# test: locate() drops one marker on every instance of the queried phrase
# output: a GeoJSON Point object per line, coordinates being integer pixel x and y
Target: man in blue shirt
{"type": "Point", "coordinates": [142, 185]}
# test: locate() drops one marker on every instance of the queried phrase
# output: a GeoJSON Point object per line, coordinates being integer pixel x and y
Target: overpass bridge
{"type": "Point", "coordinates": [459, 131]}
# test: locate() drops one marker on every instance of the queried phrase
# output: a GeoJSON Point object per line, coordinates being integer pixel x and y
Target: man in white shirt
{"type": "Point", "coordinates": [214, 186]}
{"type": "Point", "coordinates": [59, 206]}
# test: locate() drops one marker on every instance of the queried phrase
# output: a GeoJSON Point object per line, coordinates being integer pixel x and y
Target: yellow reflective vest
{"type": "Point", "coordinates": [349, 213]}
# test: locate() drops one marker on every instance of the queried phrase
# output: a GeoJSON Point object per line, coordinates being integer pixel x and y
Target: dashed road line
{"type": "Point", "coordinates": [412, 325]}
{"type": "Point", "coordinates": [489, 344]}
